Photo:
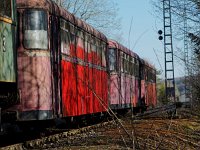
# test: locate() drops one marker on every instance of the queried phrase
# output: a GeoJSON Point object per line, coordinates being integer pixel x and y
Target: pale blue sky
{"type": "Point", "coordinates": [144, 36]}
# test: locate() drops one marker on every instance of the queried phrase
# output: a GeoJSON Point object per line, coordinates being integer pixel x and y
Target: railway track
{"type": "Point", "coordinates": [166, 111]}
{"type": "Point", "coordinates": [47, 141]}
{"type": "Point", "coordinates": [147, 133]}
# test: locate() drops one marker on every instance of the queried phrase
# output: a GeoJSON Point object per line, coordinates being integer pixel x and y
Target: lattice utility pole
{"type": "Point", "coordinates": [168, 50]}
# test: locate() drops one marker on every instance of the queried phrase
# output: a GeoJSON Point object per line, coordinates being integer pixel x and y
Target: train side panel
{"type": "Point", "coordinates": [148, 85]}
{"type": "Point", "coordinates": [114, 92]}
{"type": "Point", "coordinates": [135, 96]}
{"type": "Point", "coordinates": [34, 80]}
{"type": "Point", "coordinates": [128, 91]}
{"type": "Point", "coordinates": [124, 90]}
{"type": "Point", "coordinates": [69, 89]}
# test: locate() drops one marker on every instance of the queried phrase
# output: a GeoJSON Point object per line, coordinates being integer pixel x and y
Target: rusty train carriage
{"type": "Point", "coordinates": [61, 63]}
{"type": "Point", "coordinates": [148, 84]}
{"type": "Point", "coordinates": [7, 53]}
{"type": "Point", "coordinates": [66, 68]}
{"type": "Point", "coordinates": [124, 76]}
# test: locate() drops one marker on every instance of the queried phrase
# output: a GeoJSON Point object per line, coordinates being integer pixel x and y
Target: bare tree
{"type": "Point", "coordinates": [101, 14]}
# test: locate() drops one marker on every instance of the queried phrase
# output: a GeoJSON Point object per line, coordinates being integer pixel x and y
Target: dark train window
{"type": "Point", "coordinates": [6, 8]}
{"type": "Point", "coordinates": [35, 29]}
{"type": "Point", "coordinates": [72, 28]}
{"type": "Point", "coordinates": [104, 54]}
{"type": "Point", "coordinates": [88, 38]}
{"type": "Point", "coordinates": [131, 65]}
{"type": "Point", "coordinates": [124, 62]}
{"type": "Point", "coordinates": [112, 59]}
{"type": "Point", "coordinates": [94, 49]}
{"type": "Point", "coordinates": [93, 42]}
{"type": "Point", "coordinates": [136, 68]}
{"type": "Point", "coordinates": [127, 62]}
{"type": "Point", "coordinates": [80, 39]}
{"type": "Point", "coordinates": [65, 42]}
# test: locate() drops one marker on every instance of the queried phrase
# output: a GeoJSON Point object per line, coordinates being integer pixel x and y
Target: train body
{"type": "Point", "coordinates": [63, 67]}
{"type": "Point", "coordinates": [123, 68]}
{"type": "Point", "coordinates": [148, 84]}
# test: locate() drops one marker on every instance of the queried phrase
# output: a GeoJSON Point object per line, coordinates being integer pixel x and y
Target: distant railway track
{"type": "Point", "coordinates": [163, 111]}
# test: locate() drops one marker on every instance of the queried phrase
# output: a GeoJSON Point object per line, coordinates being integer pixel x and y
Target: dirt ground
{"type": "Point", "coordinates": [152, 133]}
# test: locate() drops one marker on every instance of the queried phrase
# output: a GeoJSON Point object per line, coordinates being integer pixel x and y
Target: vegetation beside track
{"type": "Point", "coordinates": [180, 132]}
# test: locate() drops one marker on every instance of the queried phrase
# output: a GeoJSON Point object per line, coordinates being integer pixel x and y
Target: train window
{"type": "Point", "coordinates": [122, 61]}
{"type": "Point", "coordinates": [86, 46]}
{"type": "Point", "coordinates": [90, 43]}
{"type": "Point", "coordinates": [65, 42]}
{"type": "Point", "coordinates": [112, 59]}
{"type": "Point", "coordinates": [65, 37]}
{"type": "Point", "coordinates": [72, 36]}
{"type": "Point", "coordinates": [99, 50]}
{"type": "Point", "coordinates": [142, 71]}
{"type": "Point", "coordinates": [93, 42]}
{"type": "Point", "coordinates": [80, 45]}
{"type": "Point", "coordinates": [72, 29]}
{"type": "Point", "coordinates": [62, 24]}
{"type": "Point", "coordinates": [35, 29]}
{"type": "Point", "coordinates": [80, 33]}
{"type": "Point", "coordinates": [104, 47]}
{"type": "Point", "coordinates": [131, 65]}
{"type": "Point", "coordinates": [89, 47]}
{"type": "Point", "coordinates": [6, 8]}
{"type": "Point", "coordinates": [126, 63]}
{"type": "Point", "coordinates": [93, 49]}
{"type": "Point", "coordinates": [67, 26]}
{"type": "Point", "coordinates": [136, 68]}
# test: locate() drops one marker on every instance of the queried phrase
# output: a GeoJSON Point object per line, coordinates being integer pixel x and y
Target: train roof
{"type": "Point", "coordinates": [147, 63]}
{"type": "Point", "coordinates": [53, 8]}
{"type": "Point", "coordinates": [115, 44]}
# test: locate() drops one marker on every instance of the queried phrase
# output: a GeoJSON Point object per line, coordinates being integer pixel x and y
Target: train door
{"type": "Point", "coordinates": [55, 65]}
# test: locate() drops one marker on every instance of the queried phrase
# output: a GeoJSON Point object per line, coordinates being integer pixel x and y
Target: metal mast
{"type": "Point", "coordinates": [168, 50]}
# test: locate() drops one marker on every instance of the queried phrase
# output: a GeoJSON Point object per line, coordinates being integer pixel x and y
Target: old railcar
{"type": "Point", "coordinates": [124, 77]}
{"type": "Point", "coordinates": [8, 92]}
{"type": "Point", "coordinates": [61, 64]}
{"type": "Point", "coordinates": [148, 85]}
